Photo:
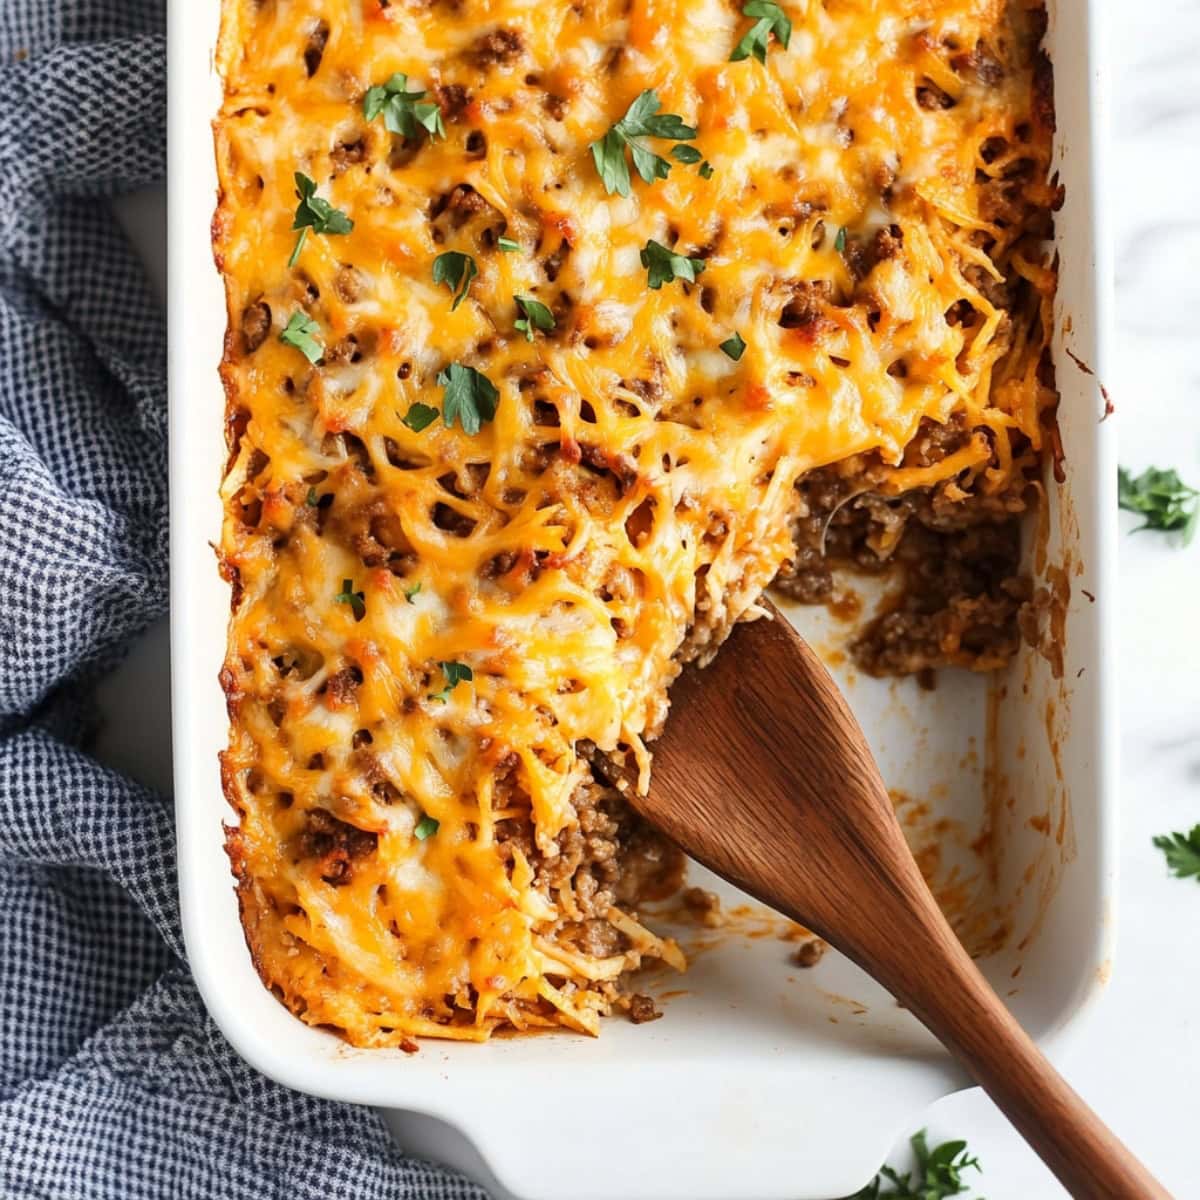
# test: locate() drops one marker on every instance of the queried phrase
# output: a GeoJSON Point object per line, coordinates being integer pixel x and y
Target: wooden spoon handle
{"type": "Point", "coordinates": [932, 975]}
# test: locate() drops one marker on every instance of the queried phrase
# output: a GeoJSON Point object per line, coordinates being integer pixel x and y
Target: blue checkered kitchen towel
{"type": "Point", "coordinates": [114, 1082]}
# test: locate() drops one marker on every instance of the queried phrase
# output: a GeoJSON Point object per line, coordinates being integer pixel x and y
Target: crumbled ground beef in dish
{"type": "Point", "coordinates": [336, 844]}
{"type": "Point", "coordinates": [501, 46]}
{"type": "Point", "coordinates": [610, 856]}
{"type": "Point", "coordinates": [957, 560]}
{"type": "Point", "coordinates": [809, 953]}
{"type": "Point", "coordinates": [704, 906]}
{"type": "Point", "coordinates": [255, 324]}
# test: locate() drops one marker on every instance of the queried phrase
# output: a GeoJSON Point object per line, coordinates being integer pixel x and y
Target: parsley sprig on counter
{"type": "Point", "coordinates": [663, 265]}
{"type": "Point", "coordinates": [769, 19]}
{"type": "Point", "coordinates": [1162, 498]}
{"type": "Point", "coordinates": [938, 1174]}
{"type": "Point", "coordinates": [316, 214]}
{"type": "Point", "coordinates": [456, 270]}
{"type": "Point", "coordinates": [642, 120]}
{"type": "Point", "coordinates": [1182, 852]}
{"type": "Point", "coordinates": [402, 110]}
{"type": "Point", "coordinates": [303, 333]}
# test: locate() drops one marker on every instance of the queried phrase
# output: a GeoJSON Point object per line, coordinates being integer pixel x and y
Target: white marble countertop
{"type": "Point", "coordinates": [1137, 1059]}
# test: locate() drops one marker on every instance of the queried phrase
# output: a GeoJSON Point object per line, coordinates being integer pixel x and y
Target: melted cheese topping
{"type": "Point", "coordinates": [631, 496]}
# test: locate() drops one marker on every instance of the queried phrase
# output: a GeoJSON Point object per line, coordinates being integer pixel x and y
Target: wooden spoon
{"type": "Point", "coordinates": [764, 776]}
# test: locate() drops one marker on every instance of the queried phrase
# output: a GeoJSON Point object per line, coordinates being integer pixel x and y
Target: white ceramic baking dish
{"type": "Point", "coordinates": [762, 1081]}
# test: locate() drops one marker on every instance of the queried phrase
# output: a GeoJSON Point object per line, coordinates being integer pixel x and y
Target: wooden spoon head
{"type": "Point", "coordinates": [764, 775]}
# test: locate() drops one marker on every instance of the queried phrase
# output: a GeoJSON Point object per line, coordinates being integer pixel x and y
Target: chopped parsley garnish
{"type": "Point", "coordinates": [705, 169]}
{"type": "Point", "coordinates": [410, 594]}
{"type": "Point", "coordinates": [839, 242]}
{"type": "Point", "coordinates": [938, 1174]}
{"type": "Point", "coordinates": [303, 333]}
{"type": "Point", "coordinates": [770, 19]}
{"type": "Point", "coordinates": [686, 154]}
{"type": "Point", "coordinates": [536, 316]}
{"type": "Point", "coordinates": [663, 265]}
{"type": "Point", "coordinates": [402, 111]}
{"type": "Point", "coordinates": [312, 499]}
{"type": "Point", "coordinates": [316, 214]}
{"type": "Point", "coordinates": [426, 828]}
{"type": "Point", "coordinates": [734, 346]}
{"type": "Point", "coordinates": [456, 270]}
{"type": "Point", "coordinates": [470, 397]}
{"type": "Point", "coordinates": [1182, 851]}
{"type": "Point", "coordinates": [508, 245]}
{"type": "Point", "coordinates": [356, 600]}
{"type": "Point", "coordinates": [1162, 498]}
{"type": "Point", "coordinates": [642, 120]}
{"type": "Point", "coordinates": [419, 416]}
{"type": "Point", "coordinates": [455, 673]}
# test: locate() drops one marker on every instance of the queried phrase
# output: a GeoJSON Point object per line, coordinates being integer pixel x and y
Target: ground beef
{"type": "Point", "coordinates": [314, 48]}
{"type": "Point", "coordinates": [980, 63]}
{"type": "Point", "coordinates": [596, 937]}
{"type": "Point", "coordinates": [959, 606]}
{"type": "Point", "coordinates": [932, 98]}
{"type": "Point", "coordinates": [376, 777]}
{"type": "Point", "coordinates": [452, 99]}
{"type": "Point", "coordinates": [342, 686]}
{"type": "Point", "coordinates": [862, 257]}
{"type": "Point", "coordinates": [347, 154]}
{"type": "Point", "coordinates": [957, 559]}
{"type": "Point", "coordinates": [348, 284]}
{"type": "Point", "coordinates": [336, 844]}
{"type": "Point", "coordinates": [464, 209]}
{"type": "Point", "coordinates": [375, 533]}
{"type": "Point", "coordinates": [704, 906]}
{"type": "Point", "coordinates": [1043, 90]}
{"type": "Point", "coordinates": [642, 1009]}
{"type": "Point", "coordinates": [998, 292]}
{"type": "Point", "coordinates": [610, 856]}
{"type": "Point", "coordinates": [552, 264]}
{"type": "Point", "coordinates": [810, 953]}
{"type": "Point", "coordinates": [808, 300]}
{"type": "Point", "coordinates": [502, 46]}
{"type": "Point", "coordinates": [498, 565]}
{"type": "Point", "coordinates": [620, 467]}
{"type": "Point", "coordinates": [806, 576]}
{"type": "Point", "coordinates": [255, 325]}
{"type": "Point", "coordinates": [610, 767]}
{"type": "Point", "coordinates": [344, 350]}
{"type": "Point", "coordinates": [888, 243]}
{"type": "Point", "coordinates": [651, 866]}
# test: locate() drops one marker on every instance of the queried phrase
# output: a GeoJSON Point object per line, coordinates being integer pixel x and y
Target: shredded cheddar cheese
{"type": "Point", "coordinates": [434, 617]}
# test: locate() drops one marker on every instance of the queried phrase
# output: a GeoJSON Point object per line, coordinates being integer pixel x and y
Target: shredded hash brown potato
{"type": "Point", "coordinates": [452, 639]}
